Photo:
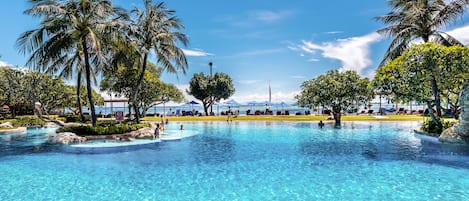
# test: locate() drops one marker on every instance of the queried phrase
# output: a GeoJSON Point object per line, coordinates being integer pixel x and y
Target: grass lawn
{"type": "Point", "coordinates": [292, 118]}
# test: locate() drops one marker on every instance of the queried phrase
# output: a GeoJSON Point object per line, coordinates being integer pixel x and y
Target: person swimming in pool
{"type": "Point", "coordinates": [320, 124]}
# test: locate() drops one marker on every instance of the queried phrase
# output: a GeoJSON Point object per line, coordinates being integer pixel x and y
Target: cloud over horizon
{"type": "Point", "coordinates": [461, 33]}
{"type": "Point", "coordinates": [3, 63]}
{"type": "Point", "coordinates": [271, 16]}
{"type": "Point", "coordinates": [196, 53]}
{"type": "Point", "coordinates": [353, 52]}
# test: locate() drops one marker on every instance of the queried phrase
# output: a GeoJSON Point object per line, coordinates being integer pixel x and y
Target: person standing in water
{"type": "Point", "coordinates": [157, 132]}
{"type": "Point", "coordinates": [230, 118]}
{"type": "Point", "coordinates": [320, 124]}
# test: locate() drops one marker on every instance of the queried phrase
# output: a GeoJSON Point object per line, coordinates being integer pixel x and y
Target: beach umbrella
{"type": "Point", "coordinates": [192, 103]}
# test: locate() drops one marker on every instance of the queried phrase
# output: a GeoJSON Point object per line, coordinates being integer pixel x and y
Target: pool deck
{"type": "Point", "coordinates": [14, 130]}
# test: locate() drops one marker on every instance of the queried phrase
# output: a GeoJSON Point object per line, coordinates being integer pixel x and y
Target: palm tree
{"type": "Point", "coordinates": [156, 28]}
{"type": "Point", "coordinates": [67, 28]}
{"type": "Point", "coordinates": [410, 20]}
{"type": "Point", "coordinates": [418, 19]}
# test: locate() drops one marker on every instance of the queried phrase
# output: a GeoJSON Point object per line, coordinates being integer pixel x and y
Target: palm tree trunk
{"type": "Point", "coordinates": [88, 82]}
{"type": "Point", "coordinates": [80, 107]}
{"type": "Point", "coordinates": [137, 85]}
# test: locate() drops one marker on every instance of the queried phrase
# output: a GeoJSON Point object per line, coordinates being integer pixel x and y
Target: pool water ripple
{"type": "Point", "coordinates": [246, 161]}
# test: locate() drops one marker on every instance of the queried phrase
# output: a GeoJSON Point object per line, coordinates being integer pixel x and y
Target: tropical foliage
{"type": "Point", "coordinates": [155, 28]}
{"type": "Point", "coordinates": [425, 73]}
{"type": "Point", "coordinates": [71, 34]}
{"type": "Point", "coordinates": [419, 19]}
{"type": "Point", "coordinates": [211, 89]}
{"type": "Point", "coordinates": [434, 129]}
{"type": "Point", "coordinates": [105, 129]}
{"type": "Point", "coordinates": [153, 91]}
{"type": "Point", "coordinates": [21, 90]}
{"type": "Point", "coordinates": [336, 90]}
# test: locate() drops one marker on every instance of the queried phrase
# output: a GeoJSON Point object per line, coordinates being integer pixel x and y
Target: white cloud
{"type": "Point", "coordinates": [271, 16]}
{"type": "Point", "coordinates": [313, 60]}
{"type": "Point", "coordinates": [259, 52]}
{"type": "Point", "coordinates": [196, 53]}
{"type": "Point", "coordinates": [3, 63]}
{"type": "Point", "coordinates": [461, 34]}
{"type": "Point", "coordinates": [293, 48]}
{"type": "Point", "coordinates": [334, 32]}
{"type": "Point", "coordinates": [184, 88]}
{"type": "Point", "coordinates": [298, 76]}
{"type": "Point", "coordinates": [280, 96]}
{"type": "Point", "coordinates": [352, 52]}
{"type": "Point", "coordinates": [248, 81]}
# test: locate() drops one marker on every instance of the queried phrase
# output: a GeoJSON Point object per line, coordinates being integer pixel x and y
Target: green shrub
{"type": "Point", "coordinates": [102, 129]}
{"type": "Point", "coordinates": [430, 127]}
{"type": "Point", "coordinates": [73, 118]}
{"type": "Point", "coordinates": [27, 122]}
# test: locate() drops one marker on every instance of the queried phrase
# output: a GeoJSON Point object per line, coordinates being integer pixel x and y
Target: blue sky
{"type": "Point", "coordinates": [257, 42]}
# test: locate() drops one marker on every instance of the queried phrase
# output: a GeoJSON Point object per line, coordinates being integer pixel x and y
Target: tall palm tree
{"type": "Point", "coordinates": [410, 20]}
{"type": "Point", "coordinates": [156, 28]}
{"type": "Point", "coordinates": [67, 27]}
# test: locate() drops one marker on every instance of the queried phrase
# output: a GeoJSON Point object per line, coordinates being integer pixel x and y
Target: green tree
{"type": "Point", "coordinates": [156, 28]}
{"type": "Point", "coordinates": [152, 89]}
{"type": "Point", "coordinates": [420, 19]}
{"type": "Point", "coordinates": [67, 27]}
{"type": "Point", "coordinates": [50, 91]}
{"type": "Point", "coordinates": [67, 67]}
{"type": "Point", "coordinates": [12, 86]}
{"type": "Point", "coordinates": [22, 90]}
{"type": "Point", "coordinates": [154, 92]}
{"type": "Point", "coordinates": [336, 90]}
{"type": "Point", "coordinates": [423, 69]}
{"type": "Point", "coordinates": [210, 89]}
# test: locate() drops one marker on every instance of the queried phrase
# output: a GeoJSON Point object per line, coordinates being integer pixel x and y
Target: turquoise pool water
{"type": "Point", "coordinates": [242, 161]}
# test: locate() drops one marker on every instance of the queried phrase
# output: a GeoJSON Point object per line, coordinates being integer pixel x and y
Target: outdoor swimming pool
{"type": "Point", "coordinates": [243, 161]}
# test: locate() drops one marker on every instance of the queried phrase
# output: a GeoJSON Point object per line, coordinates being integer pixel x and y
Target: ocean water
{"type": "Point", "coordinates": [242, 161]}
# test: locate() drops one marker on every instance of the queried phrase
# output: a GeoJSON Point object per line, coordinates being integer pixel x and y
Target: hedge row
{"type": "Point", "coordinates": [84, 130]}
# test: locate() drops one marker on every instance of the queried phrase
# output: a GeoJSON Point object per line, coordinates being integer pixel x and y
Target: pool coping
{"type": "Point", "coordinates": [14, 130]}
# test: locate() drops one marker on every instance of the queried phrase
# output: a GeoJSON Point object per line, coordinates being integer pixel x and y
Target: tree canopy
{"type": "Point", "coordinates": [21, 90]}
{"type": "Point", "coordinates": [211, 89]}
{"type": "Point", "coordinates": [153, 91]}
{"type": "Point", "coordinates": [425, 73]}
{"type": "Point", "coordinates": [419, 19]}
{"type": "Point", "coordinates": [156, 28]}
{"type": "Point", "coordinates": [71, 34]}
{"type": "Point", "coordinates": [336, 90]}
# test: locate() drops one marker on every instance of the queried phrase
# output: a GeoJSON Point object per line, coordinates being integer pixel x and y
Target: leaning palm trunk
{"type": "Point", "coordinates": [80, 107]}
{"type": "Point", "coordinates": [137, 86]}
{"type": "Point", "coordinates": [88, 82]}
